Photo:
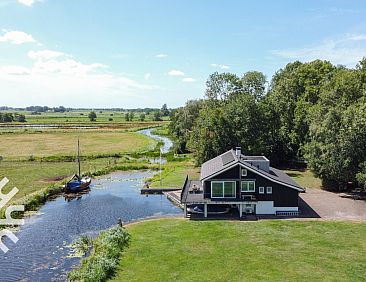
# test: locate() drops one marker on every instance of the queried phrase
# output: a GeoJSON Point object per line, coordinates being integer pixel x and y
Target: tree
{"type": "Point", "coordinates": [254, 83]}
{"type": "Point", "coordinates": [142, 117]}
{"type": "Point", "coordinates": [182, 122]}
{"type": "Point", "coordinates": [127, 116]}
{"type": "Point", "coordinates": [92, 116]}
{"type": "Point", "coordinates": [164, 110]}
{"type": "Point", "coordinates": [157, 116]}
{"type": "Point", "coordinates": [19, 117]}
{"type": "Point", "coordinates": [132, 115]}
{"type": "Point", "coordinates": [220, 86]}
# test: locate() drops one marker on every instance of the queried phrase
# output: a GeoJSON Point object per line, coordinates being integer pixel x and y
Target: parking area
{"type": "Point", "coordinates": [318, 203]}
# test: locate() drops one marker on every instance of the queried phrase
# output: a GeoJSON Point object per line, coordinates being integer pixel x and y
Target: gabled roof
{"type": "Point", "coordinates": [229, 160]}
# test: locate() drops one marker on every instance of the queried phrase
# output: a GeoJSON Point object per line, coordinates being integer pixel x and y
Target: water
{"type": "Point", "coordinates": [41, 253]}
{"type": "Point", "coordinates": [168, 144]}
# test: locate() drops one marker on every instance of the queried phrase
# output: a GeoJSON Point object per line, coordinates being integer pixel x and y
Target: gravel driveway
{"type": "Point", "coordinates": [328, 205]}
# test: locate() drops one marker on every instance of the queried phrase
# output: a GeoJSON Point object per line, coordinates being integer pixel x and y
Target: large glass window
{"type": "Point", "coordinates": [223, 189]}
{"type": "Point", "coordinates": [248, 186]}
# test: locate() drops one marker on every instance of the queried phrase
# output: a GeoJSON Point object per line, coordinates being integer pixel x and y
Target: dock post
{"type": "Point", "coordinates": [240, 210]}
{"type": "Point", "coordinates": [185, 210]}
{"type": "Point", "coordinates": [205, 210]}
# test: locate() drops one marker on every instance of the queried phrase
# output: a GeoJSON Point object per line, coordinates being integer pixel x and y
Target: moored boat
{"type": "Point", "coordinates": [78, 183]}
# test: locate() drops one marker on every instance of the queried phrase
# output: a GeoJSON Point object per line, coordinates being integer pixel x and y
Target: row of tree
{"type": "Point", "coordinates": [10, 117]}
{"type": "Point", "coordinates": [309, 112]}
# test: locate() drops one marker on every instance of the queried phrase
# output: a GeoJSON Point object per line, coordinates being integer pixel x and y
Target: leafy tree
{"type": "Point", "coordinates": [127, 116]}
{"type": "Point", "coordinates": [254, 82]}
{"type": "Point", "coordinates": [92, 116]}
{"type": "Point", "coordinates": [132, 115]}
{"type": "Point", "coordinates": [142, 117]}
{"type": "Point", "coordinates": [157, 116]}
{"type": "Point", "coordinates": [220, 86]}
{"type": "Point", "coordinates": [19, 117]}
{"type": "Point", "coordinates": [164, 110]}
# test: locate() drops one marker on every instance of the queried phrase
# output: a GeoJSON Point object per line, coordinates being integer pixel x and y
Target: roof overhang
{"type": "Point", "coordinates": [256, 172]}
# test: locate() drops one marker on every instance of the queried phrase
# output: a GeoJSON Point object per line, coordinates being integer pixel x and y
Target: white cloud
{"type": "Point", "coordinates": [346, 50]}
{"type": "Point", "coordinates": [147, 76]}
{"type": "Point", "coordinates": [223, 67]}
{"type": "Point", "coordinates": [14, 70]}
{"type": "Point", "coordinates": [161, 56]}
{"type": "Point", "coordinates": [44, 54]}
{"type": "Point", "coordinates": [16, 37]}
{"type": "Point", "coordinates": [176, 73]}
{"type": "Point", "coordinates": [188, 79]}
{"type": "Point", "coordinates": [28, 3]}
{"type": "Point", "coordinates": [55, 78]}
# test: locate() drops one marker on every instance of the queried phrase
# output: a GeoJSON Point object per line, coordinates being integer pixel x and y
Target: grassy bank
{"type": "Point", "coordinates": [104, 257]}
{"type": "Point", "coordinates": [182, 250]}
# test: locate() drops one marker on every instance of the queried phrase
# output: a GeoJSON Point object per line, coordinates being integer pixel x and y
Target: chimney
{"type": "Point", "coordinates": [238, 151]}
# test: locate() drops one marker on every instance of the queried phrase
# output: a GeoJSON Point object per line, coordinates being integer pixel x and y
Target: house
{"type": "Point", "coordinates": [246, 183]}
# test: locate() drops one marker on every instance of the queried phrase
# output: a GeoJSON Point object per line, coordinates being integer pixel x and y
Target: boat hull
{"type": "Point", "coordinates": [76, 185]}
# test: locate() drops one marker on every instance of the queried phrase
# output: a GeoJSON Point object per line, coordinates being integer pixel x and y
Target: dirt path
{"type": "Point", "coordinates": [328, 205]}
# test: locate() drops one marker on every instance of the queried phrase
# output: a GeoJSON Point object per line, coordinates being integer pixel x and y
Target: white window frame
{"type": "Point", "coordinates": [261, 190]}
{"type": "Point", "coordinates": [248, 181]}
{"type": "Point", "coordinates": [269, 190]}
{"type": "Point", "coordinates": [223, 196]}
{"type": "Point", "coordinates": [244, 172]}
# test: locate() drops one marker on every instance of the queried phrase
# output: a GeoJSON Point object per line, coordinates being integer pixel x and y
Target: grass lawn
{"type": "Point", "coordinates": [63, 142]}
{"type": "Point", "coordinates": [277, 250]}
{"type": "Point", "coordinates": [304, 177]}
{"type": "Point", "coordinates": [175, 173]}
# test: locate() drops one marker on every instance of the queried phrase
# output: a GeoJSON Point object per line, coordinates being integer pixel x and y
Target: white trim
{"type": "Point", "coordinates": [261, 190]}
{"type": "Point", "coordinates": [242, 170]}
{"type": "Point", "coordinates": [267, 207]}
{"type": "Point", "coordinates": [246, 181]}
{"type": "Point", "coordinates": [223, 192]}
{"type": "Point", "coordinates": [269, 188]}
{"type": "Point", "coordinates": [256, 172]}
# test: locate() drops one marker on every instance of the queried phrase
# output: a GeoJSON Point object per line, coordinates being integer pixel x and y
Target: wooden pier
{"type": "Point", "coordinates": [157, 190]}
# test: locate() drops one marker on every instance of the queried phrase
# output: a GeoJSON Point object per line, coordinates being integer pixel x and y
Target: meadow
{"type": "Point", "coordinates": [268, 250]}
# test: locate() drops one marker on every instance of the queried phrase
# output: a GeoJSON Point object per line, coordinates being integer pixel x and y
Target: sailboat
{"type": "Point", "coordinates": [77, 183]}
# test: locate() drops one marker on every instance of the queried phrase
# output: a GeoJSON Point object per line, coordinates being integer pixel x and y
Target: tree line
{"type": "Point", "coordinates": [312, 113]}
{"type": "Point", "coordinates": [10, 117]}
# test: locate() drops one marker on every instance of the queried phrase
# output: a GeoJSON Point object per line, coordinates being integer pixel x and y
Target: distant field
{"type": "Point", "coordinates": [51, 143]}
{"type": "Point", "coordinates": [81, 117]}
{"type": "Point", "coordinates": [268, 250]}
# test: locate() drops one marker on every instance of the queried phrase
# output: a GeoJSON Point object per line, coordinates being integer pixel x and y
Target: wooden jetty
{"type": "Point", "coordinates": [158, 190]}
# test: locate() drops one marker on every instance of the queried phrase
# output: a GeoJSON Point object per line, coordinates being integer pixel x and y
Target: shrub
{"type": "Point", "coordinates": [104, 258]}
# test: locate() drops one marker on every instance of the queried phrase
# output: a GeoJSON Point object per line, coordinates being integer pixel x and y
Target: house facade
{"type": "Point", "coordinates": [246, 183]}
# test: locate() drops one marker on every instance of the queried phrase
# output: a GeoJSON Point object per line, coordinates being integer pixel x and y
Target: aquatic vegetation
{"type": "Point", "coordinates": [104, 257]}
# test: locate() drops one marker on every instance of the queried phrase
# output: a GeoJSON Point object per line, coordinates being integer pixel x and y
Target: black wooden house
{"type": "Point", "coordinates": [247, 183]}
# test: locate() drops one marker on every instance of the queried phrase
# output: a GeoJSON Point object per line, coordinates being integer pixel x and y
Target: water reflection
{"type": "Point", "coordinates": [41, 253]}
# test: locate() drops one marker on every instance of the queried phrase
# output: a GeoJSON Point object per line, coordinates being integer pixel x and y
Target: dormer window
{"type": "Point", "coordinates": [244, 172]}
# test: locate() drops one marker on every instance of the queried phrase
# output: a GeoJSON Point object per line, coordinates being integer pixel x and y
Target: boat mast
{"type": "Point", "coordinates": [79, 156]}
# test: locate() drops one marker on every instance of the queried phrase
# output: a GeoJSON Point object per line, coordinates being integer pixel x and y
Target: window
{"type": "Point", "coordinates": [244, 172]}
{"type": "Point", "coordinates": [248, 186]}
{"type": "Point", "coordinates": [223, 189]}
{"type": "Point", "coordinates": [261, 190]}
{"type": "Point", "coordinates": [269, 190]}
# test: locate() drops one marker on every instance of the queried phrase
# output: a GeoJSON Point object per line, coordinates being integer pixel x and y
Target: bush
{"type": "Point", "coordinates": [104, 258]}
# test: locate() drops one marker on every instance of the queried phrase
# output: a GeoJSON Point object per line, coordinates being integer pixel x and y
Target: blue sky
{"type": "Point", "coordinates": [115, 53]}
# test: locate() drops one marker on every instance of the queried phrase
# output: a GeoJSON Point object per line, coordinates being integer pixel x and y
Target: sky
{"type": "Point", "coordinates": [143, 53]}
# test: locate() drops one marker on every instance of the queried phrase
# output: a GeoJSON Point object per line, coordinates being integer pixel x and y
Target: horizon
{"type": "Point", "coordinates": [142, 54]}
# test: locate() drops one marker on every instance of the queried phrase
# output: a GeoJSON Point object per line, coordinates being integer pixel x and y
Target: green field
{"type": "Point", "coordinates": [80, 117]}
{"type": "Point", "coordinates": [268, 250]}
{"type": "Point", "coordinates": [63, 142]}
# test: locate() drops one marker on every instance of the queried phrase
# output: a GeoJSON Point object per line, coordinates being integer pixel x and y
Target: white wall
{"type": "Point", "coordinates": [266, 207]}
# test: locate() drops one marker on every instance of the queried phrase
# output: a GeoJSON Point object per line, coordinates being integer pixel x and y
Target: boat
{"type": "Point", "coordinates": [77, 183]}
{"type": "Point", "coordinates": [215, 210]}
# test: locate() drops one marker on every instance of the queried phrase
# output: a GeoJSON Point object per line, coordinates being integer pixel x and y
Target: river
{"type": "Point", "coordinates": [42, 252]}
